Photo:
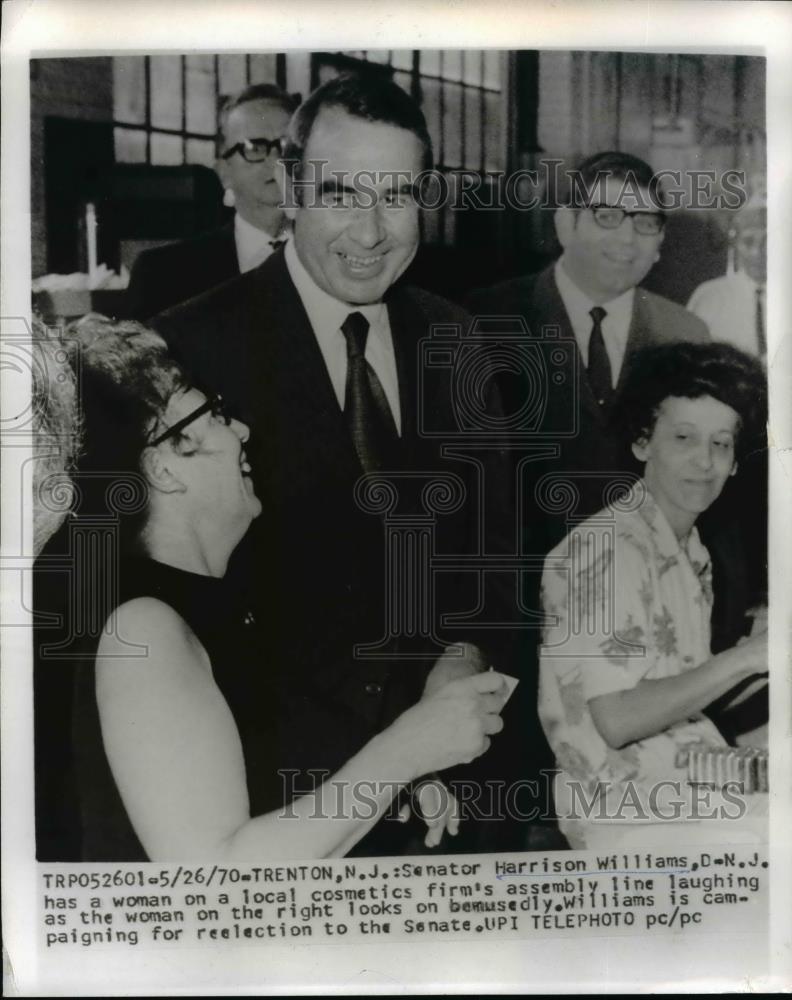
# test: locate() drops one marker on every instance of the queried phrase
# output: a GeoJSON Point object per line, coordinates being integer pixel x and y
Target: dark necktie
{"type": "Point", "coordinates": [366, 408]}
{"type": "Point", "coordinates": [761, 336]}
{"type": "Point", "coordinates": [599, 369]}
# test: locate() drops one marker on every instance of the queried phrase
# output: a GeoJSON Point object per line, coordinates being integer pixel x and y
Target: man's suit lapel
{"type": "Point", "coordinates": [639, 335]}
{"type": "Point", "coordinates": [298, 377]}
{"type": "Point", "coordinates": [549, 310]}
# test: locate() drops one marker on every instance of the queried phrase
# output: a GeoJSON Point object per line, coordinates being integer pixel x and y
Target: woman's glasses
{"type": "Point", "coordinates": [214, 405]}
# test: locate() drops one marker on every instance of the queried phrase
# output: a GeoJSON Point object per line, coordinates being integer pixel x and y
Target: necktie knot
{"type": "Point", "coordinates": [598, 314]}
{"type": "Point", "coordinates": [355, 329]}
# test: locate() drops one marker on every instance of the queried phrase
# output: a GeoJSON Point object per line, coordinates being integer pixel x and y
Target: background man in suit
{"type": "Point", "coordinates": [252, 124]}
{"type": "Point", "coordinates": [611, 232]}
{"type": "Point", "coordinates": [318, 350]}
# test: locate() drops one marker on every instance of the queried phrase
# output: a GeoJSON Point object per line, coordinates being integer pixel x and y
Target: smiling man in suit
{"type": "Point", "coordinates": [319, 350]}
{"type": "Point", "coordinates": [251, 127]}
{"type": "Point", "coordinates": [611, 233]}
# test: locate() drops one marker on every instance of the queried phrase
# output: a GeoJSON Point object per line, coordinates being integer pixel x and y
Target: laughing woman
{"type": "Point", "coordinates": [626, 666]}
{"type": "Point", "coordinates": [176, 721]}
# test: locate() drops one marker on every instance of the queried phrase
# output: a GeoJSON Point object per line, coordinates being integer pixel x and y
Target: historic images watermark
{"type": "Point", "coordinates": [529, 801]}
{"type": "Point", "coordinates": [548, 186]}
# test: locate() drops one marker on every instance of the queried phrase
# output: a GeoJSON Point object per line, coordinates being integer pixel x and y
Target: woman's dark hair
{"type": "Point", "coordinates": [689, 371]}
{"type": "Point", "coordinates": [126, 378]}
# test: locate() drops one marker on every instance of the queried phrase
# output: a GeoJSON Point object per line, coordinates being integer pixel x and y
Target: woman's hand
{"type": "Point", "coordinates": [462, 660]}
{"type": "Point", "coordinates": [451, 726]}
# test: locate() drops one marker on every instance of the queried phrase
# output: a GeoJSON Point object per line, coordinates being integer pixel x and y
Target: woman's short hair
{"type": "Point", "coordinates": [126, 379]}
{"type": "Point", "coordinates": [689, 371]}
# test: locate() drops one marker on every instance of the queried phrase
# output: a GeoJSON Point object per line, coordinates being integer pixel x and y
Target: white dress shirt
{"type": "Point", "coordinates": [728, 307]}
{"type": "Point", "coordinates": [326, 315]}
{"type": "Point", "coordinates": [615, 324]}
{"type": "Point", "coordinates": [253, 245]}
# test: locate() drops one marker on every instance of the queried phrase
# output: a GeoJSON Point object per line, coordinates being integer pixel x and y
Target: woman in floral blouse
{"type": "Point", "coordinates": [626, 666]}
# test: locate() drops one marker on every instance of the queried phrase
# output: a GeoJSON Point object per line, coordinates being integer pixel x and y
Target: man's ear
{"type": "Point", "coordinates": [640, 449]}
{"type": "Point", "coordinates": [221, 169]}
{"type": "Point", "coordinates": [287, 190]}
{"type": "Point", "coordinates": [159, 469]}
{"type": "Point", "coordinates": [565, 222]}
{"type": "Point", "coordinates": [734, 470]}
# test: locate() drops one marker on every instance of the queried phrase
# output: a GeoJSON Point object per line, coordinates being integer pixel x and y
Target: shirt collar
{"type": "Point", "coordinates": [578, 305]}
{"type": "Point", "coordinates": [248, 235]}
{"type": "Point", "coordinates": [325, 312]}
{"type": "Point", "coordinates": [640, 498]}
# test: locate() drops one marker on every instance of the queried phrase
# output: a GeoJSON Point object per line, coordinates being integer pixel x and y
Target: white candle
{"type": "Point", "coordinates": [90, 232]}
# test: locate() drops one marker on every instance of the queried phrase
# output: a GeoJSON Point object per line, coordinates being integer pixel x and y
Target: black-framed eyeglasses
{"type": "Point", "coordinates": [214, 405]}
{"type": "Point", "coordinates": [645, 223]}
{"type": "Point", "coordinates": [254, 150]}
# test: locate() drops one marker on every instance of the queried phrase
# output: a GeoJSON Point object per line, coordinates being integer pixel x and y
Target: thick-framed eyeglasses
{"type": "Point", "coordinates": [254, 150]}
{"type": "Point", "coordinates": [644, 223]}
{"type": "Point", "coordinates": [214, 405]}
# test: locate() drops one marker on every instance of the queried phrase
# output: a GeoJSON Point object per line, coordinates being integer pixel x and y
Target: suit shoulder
{"type": "Point", "coordinates": [496, 298]}
{"type": "Point", "coordinates": [671, 321]}
{"type": "Point", "coordinates": [436, 307]}
{"type": "Point", "coordinates": [220, 301]}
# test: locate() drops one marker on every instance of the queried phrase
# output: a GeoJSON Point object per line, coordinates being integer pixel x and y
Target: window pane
{"type": "Point", "coordinates": [129, 89]}
{"type": "Point", "coordinates": [492, 69]}
{"type": "Point", "coordinates": [452, 131]}
{"type": "Point", "coordinates": [404, 80]}
{"type": "Point", "coordinates": [431, 109]}
{"type": "Point", "coordinates": [492, 150]}
{"type": "Point", "coordinates": [402, 58]}
{"type": "Point", "coordinates": [430, 62]}
{"type": "Point", "coordinates": [166, 150]}
{"type": "Point", "coordinates": [130, 145]}
{"type": "Point", "coordinates": [472, 71]}
{"type": "Point", "coordinates": [201, 151]}
{"type": "Point", "coordinates": [201, 102]}
{"type": "Point", "coordinates": [473, 106]}
{"type": "Point", "coordinates": [232, 72]}
{"type": "Point", "coordinates": [166, 91]}
{"type": "Point", "coordinates": [263, 69]}
{"type": "Point", "coordinates": [379, 55]}
{"type": "Point", "coordinates": [452, 64]}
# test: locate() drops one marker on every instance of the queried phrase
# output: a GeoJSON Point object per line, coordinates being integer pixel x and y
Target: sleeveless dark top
{"type": "Point", "coordinates": [229, 634]}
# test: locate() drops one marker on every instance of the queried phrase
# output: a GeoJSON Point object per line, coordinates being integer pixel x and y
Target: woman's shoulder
{"type": "Point", "coordinates": [150, 630]}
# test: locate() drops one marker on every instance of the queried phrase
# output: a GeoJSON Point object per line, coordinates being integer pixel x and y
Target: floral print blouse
{"type": "Point", "coordinates": [623, 602]}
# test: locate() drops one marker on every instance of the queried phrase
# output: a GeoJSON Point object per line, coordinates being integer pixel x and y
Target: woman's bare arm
{"type": "Point", "coordinates": [176, 757]}
{"type": "Point", "coordinates": [654, 705]}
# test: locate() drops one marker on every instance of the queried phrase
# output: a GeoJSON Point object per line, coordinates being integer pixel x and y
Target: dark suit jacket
{"type": "Point", "coordinates": [588, 451]}
{"type": "Point", "coordinates": [317, 557]}
{"type": "Point", "coordinates": [165, 276]}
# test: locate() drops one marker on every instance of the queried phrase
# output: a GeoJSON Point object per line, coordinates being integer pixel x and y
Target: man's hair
{"type": "Point", "coordinates": [371, 98]}
{"type": "Point", "coordinates": [690, 371]}
{"type": "Point", "coordinates": [587, 181]}
{"type": "Point", "coordinates": [127, 379]}
{"type": "Point", "coordinates": [255, 92]}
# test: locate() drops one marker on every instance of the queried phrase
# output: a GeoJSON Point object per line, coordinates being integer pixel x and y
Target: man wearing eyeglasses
{"type": "Point", "coordinates": [611, 233]}
{"type": "Point", "coordinates": [252, 124]}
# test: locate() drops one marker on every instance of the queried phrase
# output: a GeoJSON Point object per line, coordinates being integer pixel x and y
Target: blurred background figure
{"type": "Point", "coordinates": [734, 305]}
{"type": "Point", "coordinates": [56, 440]}
{"type": "Point", "coordinates": [251, 125]}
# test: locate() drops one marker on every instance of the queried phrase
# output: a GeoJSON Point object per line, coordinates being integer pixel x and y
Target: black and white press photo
{"type": "Point", "coordinates": [394, 556]}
